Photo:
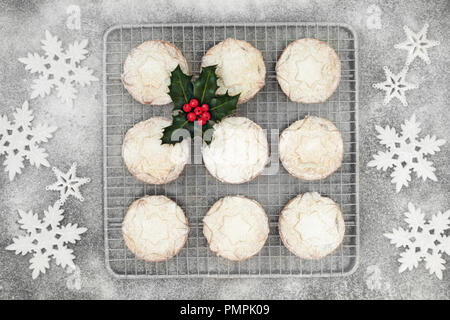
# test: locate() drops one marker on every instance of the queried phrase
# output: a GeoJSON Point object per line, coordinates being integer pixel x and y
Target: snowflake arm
{"type": "Point", "coordinates": [401, 177]}
{"type": "Point", "coordinates": [430, 145]}
{"type": "Point", "coordinates": [51, 45]}
{"type": "Point", "coordinates": [414, 217]}
{"type": "Point", "coordinates": [77, 51]}
{"type": "Point", "coordinates": [411, 128]}
{"type": "Point", "coordinates": [408, 260]}
{"type": "Point", "coordinates": [34, 63]}
{"type": "Point", "coordinates": [399, 237]}
{"type": "Point", "coordinates": [23, 116]}
{"type": "Point", "coordinates": [41, 87]}
{"type": "Point", "coordinates": [440, 222]}
{"type": "Point", "coordinates": [64, 257]}
{"type": "Point", "coordinates": [435, 264]}
{"type": "Point", "coordinates": [70, 233]}
{"type": "Point", "coordinates": [39, 263]}
{"type": "Point", "coordinates": [13, 165]}
{"type": "Point", "coordinates": [42, 133]}
{"type": "Point", "coordinates": [21, 245]}
{"type": "Point", "coordinates": [37, 157]}
{"type": "Point", "coordinates": [382, 161]}
{"type": "Point", "coordinates": [425, 170]}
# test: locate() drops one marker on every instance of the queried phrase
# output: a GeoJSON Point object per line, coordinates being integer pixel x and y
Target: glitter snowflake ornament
{"type": "Point", "coordinates": [68, 184]}
{"type": "Point", "coordinates": [59, 68]}
{"type": "Point", "coordinates": [19, 141]}
{"type": "Point", "coordinates": [406, 153]}
{"type": "Point", "coordinates": [395, 86]}
{"type": "Point", "coordinates": [46, 239]}
{"type": "Point", "coordinates": [423, 240]}
{"type": "Point", "coordinates": [417, 44]}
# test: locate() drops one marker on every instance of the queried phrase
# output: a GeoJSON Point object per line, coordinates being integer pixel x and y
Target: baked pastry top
{"type": "Point", "coordinates": [311, 148]}
{"type": "Point", "coordinates": [311, 226]}
{"type": "Point", "coordinates": [240, 68]}
{"type": "Point", "coordinates": [236, 228]}
{"type": "Point", "coordinates": [308, 71]}
{"type": "Point", "coordinates": [155, 228]}
{"type": "Point", "coordinates": [147, 70]}
{"type": "Point", "coordinates": [147, 158]}
{"type": "Point", "coordinates": [238, 151]}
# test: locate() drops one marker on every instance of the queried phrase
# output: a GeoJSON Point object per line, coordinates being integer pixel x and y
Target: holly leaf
{"type": "Point", "coordinates": [222, 106]}
{"type": "Point", "coordinates": [180, 88]}
{"type": "Point", "coordinates": [179, 121]}
{"type": "Point", "coordinates": [205, 86]}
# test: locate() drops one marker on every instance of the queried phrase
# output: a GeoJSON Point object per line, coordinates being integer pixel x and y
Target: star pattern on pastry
{"type": "Point", "coordinates": [311, 67]}
{"type": "Point", "coordinates": [68, 184]}
{"type": "Point", "coordinates": [150, 70]}
{"type": "Point", "coordinates": [417, 44]}
{"type": "Point", "coordinates": [395, 86]}
{"type": "Point", "coordinates": [156, 227]}
{"type": "Point", "coordinates": [235, 228]}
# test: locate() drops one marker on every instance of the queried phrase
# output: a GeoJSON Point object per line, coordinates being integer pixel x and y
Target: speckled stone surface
{"type": "Point", "coordinates": [79, 138]}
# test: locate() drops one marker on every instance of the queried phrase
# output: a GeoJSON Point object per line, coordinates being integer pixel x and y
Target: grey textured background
{"type": "Point", "coordinates": [79, 138]}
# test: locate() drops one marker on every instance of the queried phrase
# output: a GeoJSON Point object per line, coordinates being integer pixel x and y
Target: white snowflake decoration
{"type": "Point", "coordinates": [46, 239]}
{"type": "Point", "coordinates": [68, 184]}
{"type": "Point", "coordinates": [395, 86]}
{"type": "Point", "coordinates": [417, 44]}
{"type": "Point", "coordinates": [423, 240]}
{"type": "Point", "coordinates": [19, 141]}
{"type": "Point", "coordinates": [59, 68]}
{"type": "Point", "coordinates": [406, 153]}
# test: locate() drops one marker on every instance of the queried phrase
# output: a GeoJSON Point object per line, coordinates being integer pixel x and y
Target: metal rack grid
{"type": "Point", "coordinates": [195, 190]}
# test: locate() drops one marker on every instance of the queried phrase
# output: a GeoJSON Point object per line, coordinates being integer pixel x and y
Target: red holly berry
{"type": "Point", "coordinates": [201, 121]}
{"type": "Point", "coordinates": [198, 111]}
{"type": "Point", "coordinates": [191, 116]}
{"type": "Point", "coordinates": [187, 108]}
{"type": "Point", "coordinates": [193, 103]}
{"type": "Point", "coordinates": [206, 116]}
{"type": "Point", "coordinates": [204, 107]}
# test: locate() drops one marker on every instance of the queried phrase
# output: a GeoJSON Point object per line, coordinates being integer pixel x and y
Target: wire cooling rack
{"type": "Point", "coordinates": [196, 190]}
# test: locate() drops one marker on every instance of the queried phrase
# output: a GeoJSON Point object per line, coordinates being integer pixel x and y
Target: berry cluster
{"type": "Point", "coordinates": [196, 112]}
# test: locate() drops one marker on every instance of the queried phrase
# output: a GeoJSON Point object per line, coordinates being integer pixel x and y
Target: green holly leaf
{"type": "Point", "coordinates": [222, 106]}
{"type": "Point", "coordinates": [205, 86]}
{"type": "Point", "coordinates": [204, 89]}
{"type": "Point", "coordinates": [179, 121]}
{"type": "Point", "coordinates": [180, 88]}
